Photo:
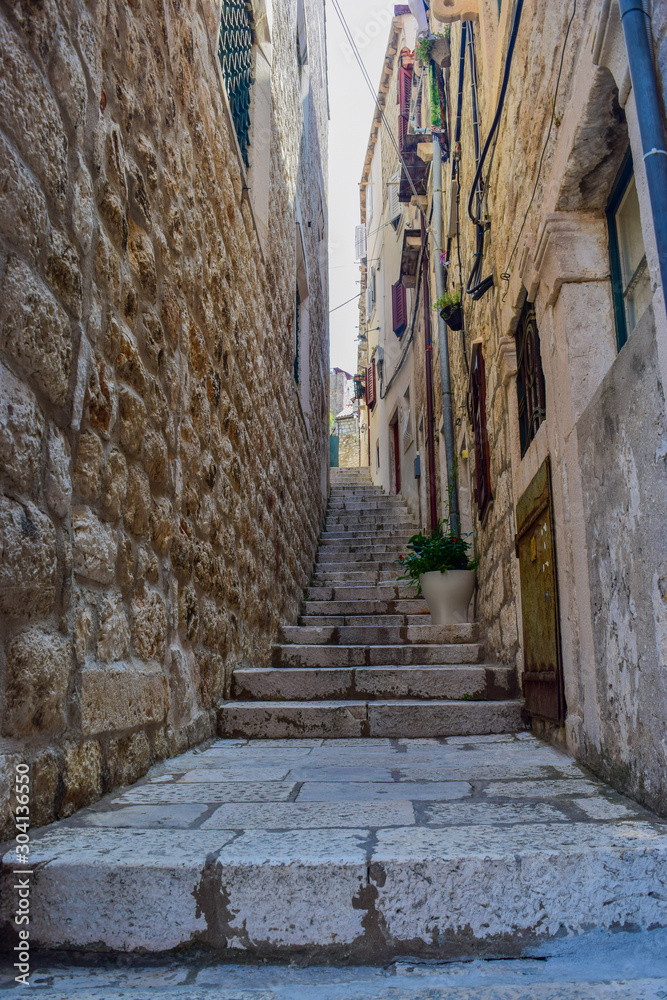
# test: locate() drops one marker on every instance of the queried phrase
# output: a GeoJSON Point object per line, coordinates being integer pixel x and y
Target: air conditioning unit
{"type": "Point", "coordinates": [360, 252]}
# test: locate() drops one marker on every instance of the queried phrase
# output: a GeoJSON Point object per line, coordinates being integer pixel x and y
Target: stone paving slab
{"type": "Point", "coordinates": [351, 850]}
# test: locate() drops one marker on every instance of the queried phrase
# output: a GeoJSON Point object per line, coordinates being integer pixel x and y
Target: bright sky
{"type": "Point", "coordinates": [352, 106]}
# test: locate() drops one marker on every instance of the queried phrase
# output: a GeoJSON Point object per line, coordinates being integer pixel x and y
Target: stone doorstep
{"type": "Point", "coordinates": [368, 635]}
{"type": "Point", "coordinates": [462, 682]}
{"type": "Point", "coordinates": [394, 719]}
{"type": "Point", "coordinates": [292, 655]}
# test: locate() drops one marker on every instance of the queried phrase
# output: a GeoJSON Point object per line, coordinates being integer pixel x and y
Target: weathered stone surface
{"type": "Point", "coordinates": [114, 485]}
{"type": "Point", "coordinates": [132, 413]}
{"type": "Point", "coordinates": [38, 671]}
{"type": "Point", "coordinates": [23, 214]}
{"type": "Point", "coordinates": [29, 113]}
{"type": "Point", "coordinates": [149, 625]}
{"type": "Point", "coordinates": [21, 431]}
{"type": "Point", "coordinates": [120, 696]}
{"type": "Point", "coordinates": [87, 479]}
{"type": "Point", "coordinates": [114, 631]}
{"type": "Point", "coordinates": [36, 331]}
{"type": "Point", "coordinates": [82, 776]}
{"type": "Point", "coordinates": [27, 560]}
{"type": "Point", "coordinates": [57, 476]}
{"type": "Point", "coordinates": [94, 546]}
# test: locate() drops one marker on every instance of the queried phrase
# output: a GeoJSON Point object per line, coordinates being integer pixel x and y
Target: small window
{"type": "Point", "coordinates": [483, 495]}
{"type": "Point", "coordinates": [399, 308]}
{"type": "Point", "coordinates": [370, 295]}
{"type": "Point", "coordinates": [370, 385]}
{"type": "Point", "coordinates": [377, 455]}
{"type": "Point", "coordinates": [235, 55]}
{"type": "Point", "coordinates": [631, 284]}
{"type": "Point", "coordinates": [369, 205]}
{"type": "Point", "coordinates": [297, 329]}
{"type": "Point", "coordinates": [530, 387]}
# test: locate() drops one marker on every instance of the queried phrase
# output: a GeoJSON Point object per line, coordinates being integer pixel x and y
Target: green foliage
{"type": "Point", "coordinates": [448, 299]}
{"type": "Point", "coordinates": [424, 48]}
{"type": "Point", "coordinates": [443, 550]}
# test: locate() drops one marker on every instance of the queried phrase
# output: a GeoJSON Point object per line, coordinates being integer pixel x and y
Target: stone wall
{"type": "Point", "coordinates": [348, 442]}
{"type": "Point", "coordinates": [153, 535]}
{"type": "Point", "coordinates": [605, 410]}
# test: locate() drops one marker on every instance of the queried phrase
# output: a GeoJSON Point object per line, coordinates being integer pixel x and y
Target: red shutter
{"type": "Point", "coordinates": [403, 97]}
{"type": "Point", "coordinates": [370, 386]}
{"type": "Point", "coordinates": [399, 307]}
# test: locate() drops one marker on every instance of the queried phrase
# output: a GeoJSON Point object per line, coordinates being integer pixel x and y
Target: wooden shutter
{"type": "Point", "coordinates": [392, 196]}
{"type": "Point", "coordinates": [360, 243]}
{"type": "Point", "coordinates": [370, 385]}
{"type": "Point", "coordinates": [404, 95]}
{"type": "Point", "coordinates": [399, 307]}
{"type": "Point", "coordinates": [483, 495]}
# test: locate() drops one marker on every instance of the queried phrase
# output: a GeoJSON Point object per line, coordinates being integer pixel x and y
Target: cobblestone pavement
{"type": "Point", "coordinates": [619, 966]}
{"type": "Point", "coordinates": [356, 850]}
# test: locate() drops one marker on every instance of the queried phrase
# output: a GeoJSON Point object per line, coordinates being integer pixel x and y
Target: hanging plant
{"type": "Point", "coordinates": [449, 307]}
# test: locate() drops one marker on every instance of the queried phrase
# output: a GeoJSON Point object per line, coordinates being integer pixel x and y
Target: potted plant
{"type": "Point", "coordinates": [449, 307]}
{"type": "Point", "coordinates": [441, 567]}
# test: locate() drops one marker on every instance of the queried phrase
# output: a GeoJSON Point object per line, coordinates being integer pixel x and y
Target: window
{"type": "Point", "coordinates": [370, 385]}
{"type": "Point", "coordinates": [403, 98]}
{"type": "Point", "coordinates": [392, 198]}
{"type": "Point", "coordinates": [399, 308]}
{"type": "Point", "coordinates": [369, 205]}
{"type": "Point", "coordinates": [530, 387]}
{"type": "Point", "coordinates": [370, 294]}
{"type": "Point", "coordinates": [301, 42]}
{"type": "Point", "coordinates": [235, 55]}
{"type": "Point", "coordinates": [631, 286]}
{"type": "Point", "coordinates": [483, 495]}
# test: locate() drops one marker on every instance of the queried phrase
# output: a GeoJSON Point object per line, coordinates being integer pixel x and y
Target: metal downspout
{"type": "Point", "coordinates": [638, 43]}
{"type": "Point", "coordinates": [443, 340]}
{"type": "Point", "coordinates": [428, 352]}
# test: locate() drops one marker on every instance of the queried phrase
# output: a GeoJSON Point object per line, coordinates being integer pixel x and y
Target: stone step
{"type": "Point", "coordinates": [377, 635]}
{"type": "Point", "coordinates": [407, 606]}
{"type": "Point", "coordinates": [354, 537]}
{"type": "Point", "coordinates": [354, 576]}
{"type": "Point", "coordinates": [392, 719]}
{"type": "Point", "coordinates": [368, 506]}
{"type": "Point", "coordinates": [367, 621]}
{"type": "Point", "coordinates": [362, 562]}
{"type": "Point", "coordinates": [387, 543]}
{"type": "Point", "coordinates": [340, 852]}
{"type": "Point", "coordinates": [481, 682]}
{"type": "Point", "coordinates": [370, 521]}
{"type": "Point", "coordinates": [403, 655]}
{"type": "Point", "coordinates": [386, 591]}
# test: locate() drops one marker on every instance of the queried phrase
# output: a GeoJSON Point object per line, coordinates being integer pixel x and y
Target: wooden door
{"type": "Point", "coordinates": [536, 550]}
{"type": "Point", "coordinates": [397, 460]}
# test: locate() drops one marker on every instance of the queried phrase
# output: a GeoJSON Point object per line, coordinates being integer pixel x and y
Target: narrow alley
{"type": "Point", "coordinates": [333, 492]}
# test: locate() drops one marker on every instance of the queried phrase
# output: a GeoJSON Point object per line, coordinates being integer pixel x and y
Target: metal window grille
{"type": "Point", "coordinates": [235, 55]}
{"type": "Point", "coordinates": [530, 386]}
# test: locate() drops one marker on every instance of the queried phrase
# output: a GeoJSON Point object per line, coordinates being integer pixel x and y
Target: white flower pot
{"type": "Point", "coordinates": [448, 595]}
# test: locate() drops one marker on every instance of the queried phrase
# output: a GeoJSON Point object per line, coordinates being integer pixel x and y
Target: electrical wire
{"type": "Point", "coordinates": [505, 276]}
{"type": "Point", "coordinates": [364, 71]}
{"type": "Point", "coordinates": [346, 303]}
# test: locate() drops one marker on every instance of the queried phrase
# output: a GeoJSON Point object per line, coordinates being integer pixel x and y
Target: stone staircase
{"type": "Point", "coordinates": [365, 659]}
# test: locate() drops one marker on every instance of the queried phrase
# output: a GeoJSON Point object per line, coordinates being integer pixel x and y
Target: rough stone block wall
{"type": "Point", "coordinates": [160, 492]}
{"type": "Point", "coordinates": [348, 444]}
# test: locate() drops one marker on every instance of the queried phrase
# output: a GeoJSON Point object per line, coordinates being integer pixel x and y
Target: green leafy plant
{"type": "Point", "coordinates": [448, 299]}
{"type": "Point", "coordinates": [424, 48]}
{"type": "Point", "coordinates": [443, 550]}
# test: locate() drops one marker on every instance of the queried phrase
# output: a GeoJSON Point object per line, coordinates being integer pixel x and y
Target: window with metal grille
{"type": "Point", "coordinates": [483, 495]}
{"type": "Point", "coordinates": [531, 391]}
{"type": "Point", "coordinates": [235, 55]}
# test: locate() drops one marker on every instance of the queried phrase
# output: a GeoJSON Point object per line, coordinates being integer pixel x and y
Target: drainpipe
{"type": "Point", "coordinates": [428, 352]}
{"type": "Point", "coordinates": [443, 340]}
{"type": "Point", "coordinates": [636, 19]}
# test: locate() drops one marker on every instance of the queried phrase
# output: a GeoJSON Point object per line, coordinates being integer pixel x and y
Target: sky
{"type": "Point", "coordinates": [351, 106]}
